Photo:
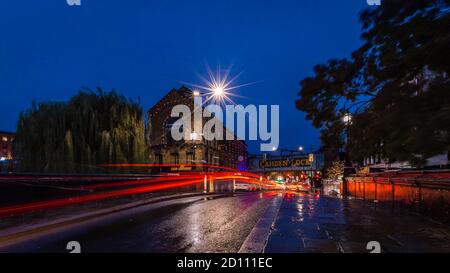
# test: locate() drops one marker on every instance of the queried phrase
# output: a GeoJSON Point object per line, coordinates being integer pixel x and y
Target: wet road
{"type": "Point", "coordinates": [308, 223]}
{"type": "Point", "coordinates": [194, 224]}
{"type": "Point", "coordinates": [302, 223]}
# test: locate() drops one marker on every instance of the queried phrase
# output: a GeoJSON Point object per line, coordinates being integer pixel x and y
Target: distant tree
{"type": "Point", "coordinates": [335, 170]}
{"type": "Point", "coordinates": [76, 136]}
{"type": "Point", "coordinates": [396, 85]}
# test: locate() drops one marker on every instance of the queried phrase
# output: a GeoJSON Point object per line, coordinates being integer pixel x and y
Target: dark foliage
{"type": "Point", "coordinates": [76, 136]}
{"type": "Point", "coordinates": [396, 85]}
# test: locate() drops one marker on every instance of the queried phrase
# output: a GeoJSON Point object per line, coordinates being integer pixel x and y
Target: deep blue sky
{"type": "Point", "coordinates": [143, 48]}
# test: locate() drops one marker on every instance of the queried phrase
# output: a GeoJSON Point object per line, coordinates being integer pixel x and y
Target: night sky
{"type": "Point", "coordinates": [143, 48]}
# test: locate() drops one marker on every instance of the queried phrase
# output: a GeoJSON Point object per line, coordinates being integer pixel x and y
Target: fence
{"type": "Point", "coordinates": [423, 192]}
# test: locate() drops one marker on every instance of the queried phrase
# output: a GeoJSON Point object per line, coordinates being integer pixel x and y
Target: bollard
{"type": "Point", "coordinates": [211, 184]}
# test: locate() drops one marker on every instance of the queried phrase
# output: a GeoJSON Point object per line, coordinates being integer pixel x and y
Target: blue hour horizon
{"type": "Point", "coordinates": [145, 49]}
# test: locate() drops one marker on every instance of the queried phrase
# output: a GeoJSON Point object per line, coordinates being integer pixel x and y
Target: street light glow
{"type": "Point", "coordinates": [218, 86]}
{"type": "Point", "coordinates": [347, 119]}
{"type": "Point", "coordinates": [300, 148]}
{"type": "Point", "coordinates": [194, 136]}
{"type": "Point", "coordinates": [218, 91]}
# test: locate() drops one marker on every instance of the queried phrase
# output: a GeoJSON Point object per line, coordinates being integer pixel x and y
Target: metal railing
{"type": "Point", "coordinates": [424, 193]}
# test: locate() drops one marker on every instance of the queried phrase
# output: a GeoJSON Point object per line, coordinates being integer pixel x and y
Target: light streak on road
{"type": "Point", "coordinates": [40, 205]}
{"type": "Point", "coordinates": [157, 183]}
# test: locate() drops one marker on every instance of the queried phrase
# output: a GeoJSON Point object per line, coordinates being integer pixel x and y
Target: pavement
{"type": "Point", "coordinates": [308, 223]}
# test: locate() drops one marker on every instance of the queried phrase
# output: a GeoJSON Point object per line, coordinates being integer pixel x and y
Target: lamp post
{"type": "Point", "coordinates": [347, 120]}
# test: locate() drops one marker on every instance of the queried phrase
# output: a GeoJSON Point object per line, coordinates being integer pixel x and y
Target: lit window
{"type": "Point", "coordinates": [4, 139]}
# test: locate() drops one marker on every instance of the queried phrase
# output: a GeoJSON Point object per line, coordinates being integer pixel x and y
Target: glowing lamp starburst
{"type": "Point", "coordinates": [217, 88]}
{"type": "Point", "coordinates": [218, 91]}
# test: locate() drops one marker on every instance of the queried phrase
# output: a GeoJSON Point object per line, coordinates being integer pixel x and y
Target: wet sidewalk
{"type": "Point", "coordinates": [311, 223]}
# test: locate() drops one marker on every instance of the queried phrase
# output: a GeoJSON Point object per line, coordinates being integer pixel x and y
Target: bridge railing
{"type": "Point", "coordinates": [424, 194]}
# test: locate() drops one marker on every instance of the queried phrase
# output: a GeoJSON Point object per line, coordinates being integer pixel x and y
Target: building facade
{"type": "Point", "coordinates": [378, 164]}
{"type": "Point", "coordinates": [6, 146]}
{"type": "Point", "coordinates": [163, 149]}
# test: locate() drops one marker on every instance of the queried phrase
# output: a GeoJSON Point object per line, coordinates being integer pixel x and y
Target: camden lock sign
{"type": "Point", "coordinates": [287, 163]}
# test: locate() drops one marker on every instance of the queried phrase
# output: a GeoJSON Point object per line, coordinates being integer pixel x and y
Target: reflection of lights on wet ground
{"type": "Point", "coordinates": [194, 228]}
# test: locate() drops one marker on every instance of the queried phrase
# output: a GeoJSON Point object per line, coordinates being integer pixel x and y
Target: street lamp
{"type": "Point", "coordinates": [218, 91]}
{"type": "Point", "coordinates": [194, 136]}
{"type": "Point", "coordinates": [301, 148]}
{"type": "Point", "coordinates": [347, 120]}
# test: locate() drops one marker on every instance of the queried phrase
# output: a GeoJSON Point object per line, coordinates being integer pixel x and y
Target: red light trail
{"type": "Point", "coordinates": [23, 208]}
{"type": "Point", "coordinates": [162, 182]}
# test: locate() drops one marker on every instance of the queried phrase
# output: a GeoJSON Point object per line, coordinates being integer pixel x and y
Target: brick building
{"type": "Point", "coordinates": [163, 149]}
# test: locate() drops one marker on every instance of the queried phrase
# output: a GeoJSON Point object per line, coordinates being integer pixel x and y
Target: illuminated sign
{"type": "Point", "coordinates": [283, 163]}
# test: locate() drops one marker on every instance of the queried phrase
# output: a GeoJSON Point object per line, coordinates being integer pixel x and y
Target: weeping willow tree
{"type": "Point", "coordinates": [91, 129]}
